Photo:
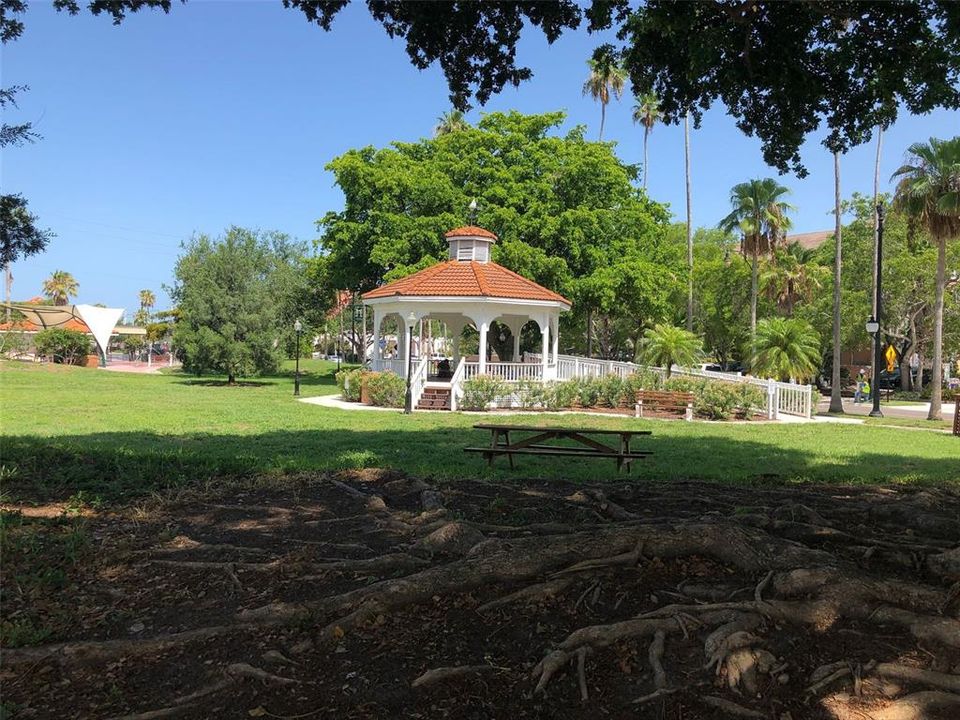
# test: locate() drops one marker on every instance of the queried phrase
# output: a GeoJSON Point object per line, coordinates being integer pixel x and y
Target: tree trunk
{"type": "Point", "coordinates": [231, 379]}
{"type": "Point", "coordinates": [646, 160]}
{"type": "Point", "coordinates": [686, 152]}
{"type": "Point", "coordinates": [589, 332]}
{"type": "Point", "coordinates": [876, 220]}
{"type": "Point", "coordinates": [7, 286]}
{"type": "Point", "coordinates": [836, 400]}
{"type": "Point", "coordinates": [936, 377]}
{"type": "Point", "coordinates": [754, 271]}
{"type": "Point", "coordinates": [603, 117]}
{"type": "Point", "coordinates": [918, 386]}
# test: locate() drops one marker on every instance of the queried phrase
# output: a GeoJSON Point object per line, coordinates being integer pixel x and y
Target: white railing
{"type": "Point", "coordinates": [456, 384]}
{"type": "Point", "coordinates": [419, 380]}
{"type": "Point", "coordinates": [394, 365]}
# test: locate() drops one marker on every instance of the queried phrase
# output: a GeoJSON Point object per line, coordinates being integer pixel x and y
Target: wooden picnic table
{"type": "Point", "coordinates": [537, 436]}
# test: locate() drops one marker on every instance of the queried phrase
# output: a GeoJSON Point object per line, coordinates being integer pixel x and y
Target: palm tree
{"type": "Point", "coordinates": [760, 214]}
{"type": "Point", "coordinates": [147, 299]}
{"type": "Point", "coordinates": [606, 76]}
{"type": "Point", "coordinates": [836, 398]}
{"type": "Point", "coordinates": [786, 348]}
{"type": "Point", "coordinates": [450, 122]}
{"type": "Point", "coordinates": [646, 111]}
{"type": "Point", "coordinates": [667, 345]}
{"type": "Point", "coordinates": [60, 286]}
{"type": "Point", "coordinates": [792, 276]}
{"type": "Point", "coordinates": [686, 157]}
{"type": "Point", "coordinates": [929, 190]}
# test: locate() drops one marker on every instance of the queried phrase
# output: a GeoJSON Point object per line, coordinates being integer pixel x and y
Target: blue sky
{"type": "Point", "coordinates": [225, 113]}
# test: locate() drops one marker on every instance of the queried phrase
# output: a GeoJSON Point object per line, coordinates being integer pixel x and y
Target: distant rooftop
{"type": "Point", "coordinates": [810, 240]}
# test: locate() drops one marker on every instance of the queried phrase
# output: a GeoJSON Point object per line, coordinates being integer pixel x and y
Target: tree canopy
{"type": "Point", "coordinates": [566, 211]}
{"type": "Point", "coordinates": [781, 69]}
{"type": "Point", "coordinates": [233, 296]}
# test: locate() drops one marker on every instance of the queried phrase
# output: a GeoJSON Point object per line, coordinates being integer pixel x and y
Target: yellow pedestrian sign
{"type": "Point", "coordinates": [891, 356]}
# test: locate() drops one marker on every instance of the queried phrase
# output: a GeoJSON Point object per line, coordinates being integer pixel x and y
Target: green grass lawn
{"type": "Point", "coordinates": [90, 434]}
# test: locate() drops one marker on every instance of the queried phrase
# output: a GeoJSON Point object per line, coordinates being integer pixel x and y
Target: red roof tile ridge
{"type": "Point", "coordinates": [481, 280]}
{"type": "Point", "coordinates": [470, 231]}
{"type": "Point", "coordinates": [408, 282]}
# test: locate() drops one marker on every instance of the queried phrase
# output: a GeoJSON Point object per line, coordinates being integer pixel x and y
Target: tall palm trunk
{"type": "Point", "coordinates": [686, 152]}
{"type": "Point", "coordinates": [936, 377]}
{"type": "Point", "coordinates": [754, 288]}
{"type": "Point", "coordinates": [603, 118]}
{"type": "Point", "coordinates": [836, 400]}
{"type": "Point", "coordinates": [876, 219]}
{"type": "Point", "coordinates": [646, 160]}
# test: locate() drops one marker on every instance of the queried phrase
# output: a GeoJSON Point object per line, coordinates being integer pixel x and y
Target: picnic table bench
{"type": "Point", "coordinates": [535, 443]}
{"type": "Point", "coordinates": [665, 400]}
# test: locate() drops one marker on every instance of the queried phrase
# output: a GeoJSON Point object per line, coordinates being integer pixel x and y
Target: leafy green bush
{"type": "Point", "coordinates": [69, 347]}
{"type": "Point", "coordinates": [531, 394]}
{"type": "Point", "coordinates": [640, 380]}
{"type": "Point", "coordinates": [560, 395]}
{"type": "Point", "coordinates": [480, 391]}
{"type": "Point", "coordinates": [611, 391]}
{"type": "Point", "coordinates": [349, 383]}
{"type": "Point", "coordinates": [750, 397]}
{"type": "Point", "coordinates": [587, 391]}
{"type": "Point", "coordinates": [386, 389]}
{"type": "Point", "coordinates": [716, 400]}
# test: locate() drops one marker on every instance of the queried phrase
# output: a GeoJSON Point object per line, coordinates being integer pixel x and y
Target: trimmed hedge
{"type": "Point", "coordinates": [713, 399]}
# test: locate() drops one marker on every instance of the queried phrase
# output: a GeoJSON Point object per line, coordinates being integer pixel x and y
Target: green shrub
{"type": "Point", "coordinates": [386, 389]}
{"type": "Point", "coordinates": [69, 347]}
{"type": "Point", "coordinates": [349, 383]}
{"type": "Point", "coordinates": [560, 395]}
{"type": "Point", "coordinates": [750, 397]}
{"type": "Point", "coordinates": [611, 391]}
{"type": "Point", "coordinates": [587, 391]}
{"type": "Point", "coordinates": [716, 400]}
{"type": "Point", "coordinates": [531, 394]}
{"type": "Point", "coordinates": [480, 391]}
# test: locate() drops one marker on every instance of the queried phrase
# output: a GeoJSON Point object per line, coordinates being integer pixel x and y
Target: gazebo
{"type": "Point", "coordinates": [467, 289]}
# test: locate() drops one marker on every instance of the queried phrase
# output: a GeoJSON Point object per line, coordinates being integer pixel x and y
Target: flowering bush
{"type": "Point", "coordinates": [349, 383]}
{"type": "Point", "coordinates": [482, 390]}
{"type": "Point", "coordinates": [386, 389]}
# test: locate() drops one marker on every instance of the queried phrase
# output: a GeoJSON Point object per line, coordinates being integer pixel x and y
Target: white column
{"type": "Point", "coordinates": [556, 340]}
{"type": "Point", "coordinates": [375, 356]}
{"type": "Point", "coordinates": [484, 326]}
{"type": "Point", "coordinates": [516, 345]}
{"type": "Point", "coordinates": [545, 351]}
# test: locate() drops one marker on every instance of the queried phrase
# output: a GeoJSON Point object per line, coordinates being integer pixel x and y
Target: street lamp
{"type": "Point", "coordinates": [874, 324]}
{"type": "Point", "coordinates": [408, 400]}
{"type": "Point", "coordinates": [298, 328]}
{"type": "Point", "coordinates": [473, 211]}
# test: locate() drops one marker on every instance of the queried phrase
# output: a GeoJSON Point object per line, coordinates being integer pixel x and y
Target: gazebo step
{"type": "Point", "coordinates": [434, 398]}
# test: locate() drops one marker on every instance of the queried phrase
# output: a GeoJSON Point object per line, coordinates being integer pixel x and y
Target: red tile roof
{"type": "Point", "coordinates": [27, 326]}
{"type": "Point", "coordinates": [455, 278]}
{"type": "Point", "coordinates": [470, 231]}
{"type": "Point", "coordinates": [810, 240]}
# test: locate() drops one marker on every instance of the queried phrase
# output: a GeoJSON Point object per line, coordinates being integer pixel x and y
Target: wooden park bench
{"type": "Point", "coordinates": [535, 444]}
{"type": "Point", "coordinates": [662, 400]}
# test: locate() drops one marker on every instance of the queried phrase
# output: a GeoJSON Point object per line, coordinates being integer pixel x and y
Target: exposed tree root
{"type": "Point", "coordinates": [655, 657]}
{"type": "Point", "coordinates": [249, 671]}
{"type": "Point", "coordinates": [445, 674]}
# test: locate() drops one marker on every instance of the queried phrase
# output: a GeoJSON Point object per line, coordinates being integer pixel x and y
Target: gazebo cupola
{"type": "Point", "coordinates": [470, 243]}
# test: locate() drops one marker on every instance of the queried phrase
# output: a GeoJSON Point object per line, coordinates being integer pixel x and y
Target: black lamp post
{"type": "Point", "coordinates": [874, 323]}
{"type": "Point", "coordinates": [298, 327]}
{"type": "Point", "coordinates": [408, 400]}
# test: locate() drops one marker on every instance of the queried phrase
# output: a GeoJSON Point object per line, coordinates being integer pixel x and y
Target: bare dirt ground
{"type": "Point", "coordinates": [372, 595]}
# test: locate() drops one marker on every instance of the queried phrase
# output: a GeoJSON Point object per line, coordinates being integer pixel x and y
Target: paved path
{"type": "Point", "coordinates": [913, 412]}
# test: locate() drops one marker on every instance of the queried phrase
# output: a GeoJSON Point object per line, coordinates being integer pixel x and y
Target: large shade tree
{"type": "Point", "coordinates": [929, 190]}
{"type": "Point", "coordinates": [759, 214]}
{"type": "Point", "coordinates": [566, 210]}
{"type": "Point", "coordinates": [232, 297]}
{"type": "Point", "coordinates": [782, 70]}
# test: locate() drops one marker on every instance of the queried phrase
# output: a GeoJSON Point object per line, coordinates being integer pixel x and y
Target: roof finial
{"type": "Point", "coordinates": [473, 211]}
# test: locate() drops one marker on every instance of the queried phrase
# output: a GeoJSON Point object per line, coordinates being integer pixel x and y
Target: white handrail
{"type": "Point", "coordinates": [419, 381]}
{"type": "Point", "coordinates": [456, 382]}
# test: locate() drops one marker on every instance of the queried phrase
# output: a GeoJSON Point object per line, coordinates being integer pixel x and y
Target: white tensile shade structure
{"type": "Point", "coordinates": [468, 289]}
{"type": "Point", "coordinates": [101, 321]}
